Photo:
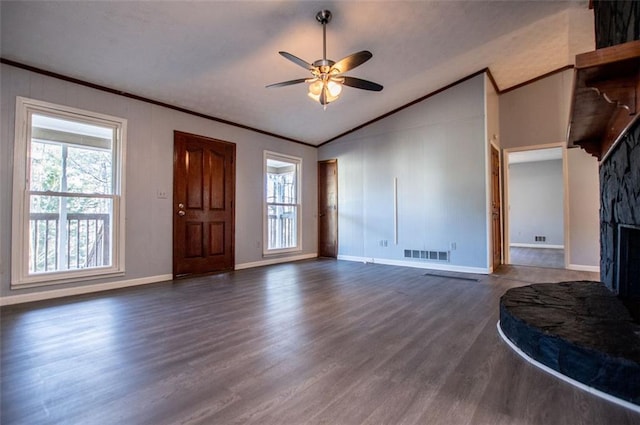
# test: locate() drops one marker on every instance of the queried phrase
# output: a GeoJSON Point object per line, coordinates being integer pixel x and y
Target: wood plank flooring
{"type": "Point", "coordinates": [313, 342]}
{"type": "Point", "coordinates": [537, 257]}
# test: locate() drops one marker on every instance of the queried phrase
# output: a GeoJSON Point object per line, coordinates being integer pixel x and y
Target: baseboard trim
{"type": "Point", "coordinates": [583, 268]}
{"type": "Point", "coordinates": [431, 266]}
{"type": "Point", "coordinates": [278, 260]}
{"type": "Point", "coordinates": [620, 402]}
{"type": "Point", "coordinates": [535, 245]}
{"type": "Point", "coordinates": [81, 290]}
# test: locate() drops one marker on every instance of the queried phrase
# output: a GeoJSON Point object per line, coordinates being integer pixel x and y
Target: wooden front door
{"type": "Point", "coordinates": [496, 228]}
{"type": "Point", "coordinates": [328, 208]}
{"type": "Point", "coordinates": [203, 205]}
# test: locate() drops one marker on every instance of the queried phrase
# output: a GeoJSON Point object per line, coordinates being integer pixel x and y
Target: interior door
{"type": "Point", "coordinates": [203, 197]}
{"type": "Point", "coordinates": [328, 208]}
{"type": "Point", "coordinates": [496, 218]}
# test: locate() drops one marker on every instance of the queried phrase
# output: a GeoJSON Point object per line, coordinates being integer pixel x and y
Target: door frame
{"type": "Point", "coordinates": [492, 147]}
{"type": "Point", "coordinates": [565, 196]}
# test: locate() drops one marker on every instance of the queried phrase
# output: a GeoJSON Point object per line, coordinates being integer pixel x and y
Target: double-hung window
{"type": "Point", "coordinates": [282, 203]}
{"type": "Point", "coordinates": [68, 204]}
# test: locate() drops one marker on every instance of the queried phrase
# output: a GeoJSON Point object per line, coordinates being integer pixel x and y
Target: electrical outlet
{"type": "Point", "coordinates": [161, 194]}
{"type": "Point", "coordinates": [453, 246]}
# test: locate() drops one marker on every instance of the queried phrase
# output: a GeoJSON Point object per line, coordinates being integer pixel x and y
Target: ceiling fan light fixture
{"type": "Point", "coordinates": [328, 80]}
{"type": "Point", "coordinates": [325, 91]}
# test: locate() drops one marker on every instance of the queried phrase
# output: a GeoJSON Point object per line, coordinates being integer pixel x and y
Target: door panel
{"type": "Point", "coordinates": [203, 195]}
{"type": "Point", "coordinates": [193, 240]}
{"type": "Point", "coordinates": [328, 208]}
{"type": "Point", "coordinates": [216, 230]}
{"type": "Point", "coordinates": [194, 170]}
{"type": "Point", "coordinates": [216, 193]}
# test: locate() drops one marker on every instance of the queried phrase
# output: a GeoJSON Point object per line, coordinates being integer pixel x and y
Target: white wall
{"type": "Point", "coordinates": [584, 216]}
{"type": "Point", "coordinates": [536, 203]}
{"type": "Point", "coordinates": [149, 169]}
{"type": "Point", "coordinates": [437, 151]}
{"type": "Point", "coordinates": [538, 114]}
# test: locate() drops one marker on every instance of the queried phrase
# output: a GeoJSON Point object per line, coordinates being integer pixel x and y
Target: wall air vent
{"type": "Point", "coordinates": [426, 255]}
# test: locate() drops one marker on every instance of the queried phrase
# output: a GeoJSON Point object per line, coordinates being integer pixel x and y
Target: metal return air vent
{"type": "Point", "coordinates": [426, 255]}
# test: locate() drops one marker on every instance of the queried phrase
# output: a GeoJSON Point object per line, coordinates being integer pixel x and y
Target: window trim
{"type": "Point", "coordinates": [20, 277]}
{"type": "Point", "coordinates": [265, 225]}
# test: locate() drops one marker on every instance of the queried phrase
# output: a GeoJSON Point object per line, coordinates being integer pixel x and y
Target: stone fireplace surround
{"type": "Point", "coordinates": [589, 332]}
{"type": "Point", "coordinates": [620, 212]}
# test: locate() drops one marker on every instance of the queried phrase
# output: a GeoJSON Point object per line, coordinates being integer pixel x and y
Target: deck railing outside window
{"type": "Point", "coordinates": [87, 242]}
{"type": "Point", "coordinates": [282, 227]}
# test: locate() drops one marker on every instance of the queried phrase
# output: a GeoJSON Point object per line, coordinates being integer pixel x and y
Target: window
{"type": "Point", "coordinates": [68, 204]}
{"type": "Point", "coordinates": [282, 203]}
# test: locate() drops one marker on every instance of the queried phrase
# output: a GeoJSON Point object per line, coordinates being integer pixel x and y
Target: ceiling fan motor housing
{"type": "Point", "coordinates": [324, 16]}
{"type": "Point", "coordinates": [324, 62]}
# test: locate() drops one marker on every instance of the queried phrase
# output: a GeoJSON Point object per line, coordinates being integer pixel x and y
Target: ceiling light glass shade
{"type": "Point", "coordinates": [334, 88]}
{"type": "Point", "coordinates": [315, 88]}
{"type": "Point", "coordinates": [331, 88]}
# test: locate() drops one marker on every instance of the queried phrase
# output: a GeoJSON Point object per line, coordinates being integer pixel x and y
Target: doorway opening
{"type": "Point", "coordinates": [535, 193]}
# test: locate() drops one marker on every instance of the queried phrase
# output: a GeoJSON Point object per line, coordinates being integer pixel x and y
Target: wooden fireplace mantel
{"type": "Point", "coordinates": [606, 97]}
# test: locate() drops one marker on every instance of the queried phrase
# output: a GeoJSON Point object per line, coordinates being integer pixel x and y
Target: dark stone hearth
{"type": "Point", "coordinates": [580, 329]}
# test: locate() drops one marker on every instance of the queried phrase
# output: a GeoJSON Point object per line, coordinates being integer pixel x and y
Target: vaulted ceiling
{"type": "Point", "coordinates": [216, 57]}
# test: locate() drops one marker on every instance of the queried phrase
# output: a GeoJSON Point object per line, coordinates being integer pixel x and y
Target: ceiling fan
{"type": "Point", "coordinates": [325, 84]}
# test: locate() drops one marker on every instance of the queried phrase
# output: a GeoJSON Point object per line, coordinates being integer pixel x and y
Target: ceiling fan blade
{"type": "Point", "coordinates": [297, 61]}
{"type": "Point", "coordinates": [361, 84]}
{"type": "Point", "coordinates": [288, 83]}
{"type": "Point", "coordinates": [351, 61]}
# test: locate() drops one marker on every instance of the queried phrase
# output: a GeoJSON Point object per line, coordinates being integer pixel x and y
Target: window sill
{"type": "Point", "coordinates": [60, 278]}
{"type": "Point", "coordinates": [280, 252]}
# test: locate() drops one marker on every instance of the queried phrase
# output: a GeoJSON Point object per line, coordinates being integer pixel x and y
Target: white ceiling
{"type": "Point", "coordinates": [215, 57]}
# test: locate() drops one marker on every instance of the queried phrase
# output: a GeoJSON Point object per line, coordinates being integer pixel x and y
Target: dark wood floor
{"type": "Point", "coordinates": [537, 257]}
{"type": "Point", "coordinates": [314, 342]}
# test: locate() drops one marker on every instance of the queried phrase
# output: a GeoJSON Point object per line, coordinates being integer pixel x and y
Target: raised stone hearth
{"type": "Point", "coordinates": [579, 329]}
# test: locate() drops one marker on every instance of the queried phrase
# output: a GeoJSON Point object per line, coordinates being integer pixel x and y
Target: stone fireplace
{"type": "Point", "coordinates": [618, 23]}
{"type": "Point", "coordinates": [586, 331]}
{"type": "Point", "coordinates": [628, 276]}
{"type": "Point", "coordinates": [620, 220]}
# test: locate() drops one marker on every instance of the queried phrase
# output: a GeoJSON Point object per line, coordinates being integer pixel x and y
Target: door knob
{"type": "Point", "coordinates": [181, 205]}
{"type": "Point", "coordinates": [181, 213]}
